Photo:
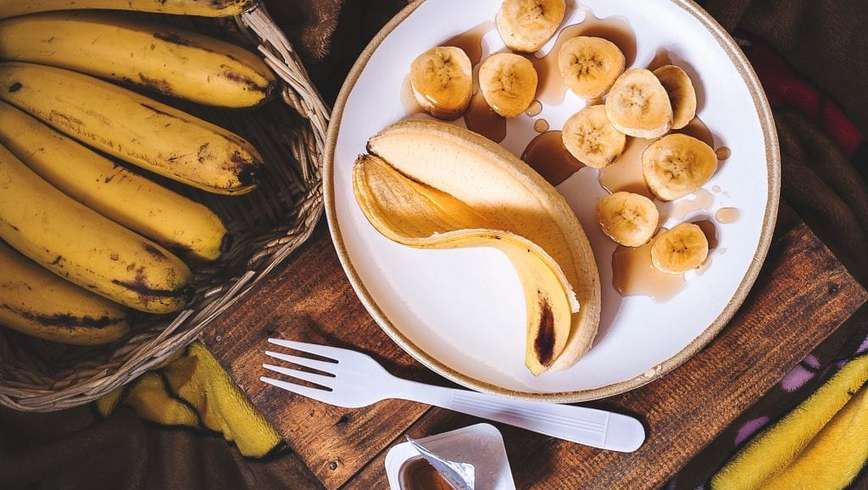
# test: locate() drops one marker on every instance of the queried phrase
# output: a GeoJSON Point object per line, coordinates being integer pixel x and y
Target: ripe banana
{"type": "Point", "coordinates": [526, 25]}
{"type": "Point", "coordinates": [76, 243]}
{"type": "Point", "coordinates": [682, 95]}
{"type": "Point", "coordinates": [442, 81]}
{"type": "Point", "coordinates": [133, 127]}
{"type": "Point", "coordinates": [496, 191]}
{"type": "Point", "coordinates": [677, 165]}
{"type": "Point", "coordinates": [680, 249]}
{"type": "Point", "coordinates": [508, 83]}
{"type": "Point", "coordinates": [590, 65]}
{"type": "Point", "coordinates": [110, 189]}
{"type": "Point", "coordinates": [36, 302]}
{"type": "Point", "coordinates": [172, 61]}
{"type": "Point", "coordinates": [591, 139]}
{"type": "Point", "coordinates": [210, 8]}
{"type": "Point", "coordinates": [638, 105]}
{"type": "Point", "coordinates": [628, 219]}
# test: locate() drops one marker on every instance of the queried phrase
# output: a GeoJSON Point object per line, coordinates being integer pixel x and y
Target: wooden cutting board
{"type": "Point", "coordinates": [802, 296]}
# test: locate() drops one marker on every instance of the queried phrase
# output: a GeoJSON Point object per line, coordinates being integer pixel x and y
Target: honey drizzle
{"type": "Point", "coordinates": [633, 275]}
{"type": "Point", "coordinates": [547, 155]}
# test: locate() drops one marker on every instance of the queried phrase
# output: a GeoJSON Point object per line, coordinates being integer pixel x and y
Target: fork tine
{"type": "Point", "coordinates": [318, 395]}
{"type": "Point", "coordinates": [320, 350]}
{"type": "Point", "coordinates": [324, 381]}
{"type": "Point", "coordinates": [323, 366]}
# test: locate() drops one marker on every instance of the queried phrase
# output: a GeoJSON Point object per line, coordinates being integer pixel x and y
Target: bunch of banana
{"type": "Point", "coordinates": [428, 184]}
{"type": "Point", "coordinates": [165, 59]}
{"type": "Point", "coordinates": [59, 311]}
{"type": "Point", "coordinates": [141, 205]}
{"type": "Point", "coordinates": [84, 247]}
{"type": "Point", "coordinates": [526, 25]}
{"type": "Point", "coordinates": [204, 8]}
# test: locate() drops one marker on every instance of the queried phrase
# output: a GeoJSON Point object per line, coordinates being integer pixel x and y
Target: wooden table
{"type": "Point", "coordinates": [802, 296]}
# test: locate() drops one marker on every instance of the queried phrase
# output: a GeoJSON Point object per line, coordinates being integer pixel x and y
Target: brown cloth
{"type": "Point", "coordinates": [824, 40]}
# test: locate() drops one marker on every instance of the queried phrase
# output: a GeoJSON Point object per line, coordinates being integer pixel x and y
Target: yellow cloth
{"type": "Point", "coordinates": [194, 391]}
{"type": "Point", "coordinates": [821, 445]}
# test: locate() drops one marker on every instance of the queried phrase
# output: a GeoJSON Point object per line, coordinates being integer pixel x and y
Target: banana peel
{"type": "Point", "coordinates": [430, 185]}
{"type": "Point", "coordinates": [194, 391]}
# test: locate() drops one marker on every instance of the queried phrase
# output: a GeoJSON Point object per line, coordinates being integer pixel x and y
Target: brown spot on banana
{"type": "Point", "coordinates": [154, 251]}
{"type": "Point", "coordinates": [16, 86]}
{"type": "Point", "coordinates": [157, 84]}
{"type": "Point", "coordinates": [544, 343]}
{"type": "Point", "coordinates": [65, 319]}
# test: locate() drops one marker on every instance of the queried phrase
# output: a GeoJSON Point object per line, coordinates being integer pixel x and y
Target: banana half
{"type": "Point", "coordinates": [638, 105]}
{"type": "Point", "coordinates": [432, 185]}
{"type": "Point", "coordinates": [442, 81]}
{"type": "Point", "coordinates": [508, 83]}
{"type": "Point", "coordinates": [526, 25]}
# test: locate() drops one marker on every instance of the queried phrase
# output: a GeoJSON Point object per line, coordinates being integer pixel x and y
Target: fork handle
{"type": "Point", "coordinates": [588, 426]}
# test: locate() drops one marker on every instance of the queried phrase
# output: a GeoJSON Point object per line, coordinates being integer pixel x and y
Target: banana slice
{"type": "Point", "coordinates": [508, 83]}
{"type": "Point", "coordinates": [682, 95]}
{"type": "Point", "coordinates": [590, 137]}
{"type": "Point", "coordinates": [638, 105]}
{"type": "Point", "coordinates": [680, 249]}
{"type": "Point", "coordinates": [442, 81]}
{"type": "Point", "coordinates": [525, 25]}
{"type": "Point", "coordinates": [628, 219]}
{"type": "Point", "coordinates": [677, 165]}
{"type": "Point", "coordinates": [590, 65]}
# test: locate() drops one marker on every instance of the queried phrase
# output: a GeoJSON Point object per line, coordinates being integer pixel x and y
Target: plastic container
{"type": "Point", "coordinates": [480, 445]}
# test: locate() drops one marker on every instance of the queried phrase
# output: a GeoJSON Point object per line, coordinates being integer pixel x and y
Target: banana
{"type": "Point", "coordinates": [133, 127]}
{"type": "Point", "coordinates": [508, 83]}
{"type": "Point", "coordinates": [210, 8]}
{"type": "Point", "coordinates": [682, 95]}
{"type": "Point", "coordinates": [111, 190]}
{"type": "Point", "coordinates": [442, 81]}
{"type": "Point", "coordinates": [638, 105]}
{"type": "Point", "coordinates": [36, 302]}
{"type": "Point", "coordinates": [591, 139]}
{"type": "Point", "coordinates": [168, 60]}
{"type": "Point", "coordinates": [680, 249]}
{"type": "Point", "coordinates": [526, 25]}
{"type": "Point", "coordinates": [497, 191]}
{"type": "Point", "coordinates": [76, 243]}
{"type": "Point", "coordinates": [590, 65]}
{"type": "Point", "coordinates": [628, 219]}
{"type": "Point", "coordinates": [677, 165]}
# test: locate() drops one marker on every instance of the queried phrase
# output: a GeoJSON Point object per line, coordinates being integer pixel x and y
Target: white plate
{"type": "Point", "coordinates": [461, 312]}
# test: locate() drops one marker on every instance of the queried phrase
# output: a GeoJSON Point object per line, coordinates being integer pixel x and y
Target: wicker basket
{"type": "Point", "coordinates": [266, 225]}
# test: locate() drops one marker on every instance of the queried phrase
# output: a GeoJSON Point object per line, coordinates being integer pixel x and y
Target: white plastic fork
{"type": "Point", "coordinates": [356, 380]}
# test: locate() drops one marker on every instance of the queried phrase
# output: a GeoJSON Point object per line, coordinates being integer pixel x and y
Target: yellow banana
{"type": "Point", "coordinates": [110, 189]}
{"type": "Point", "coordinates": [166, 59]}
{"type": "Point", "coordinates": [36, 302]}
{"type": "Point", "coordinates": [133, 127]}
{"type": "Point", "coordinates": [77, 243]}
{"type": "Point", "coordinates": [203, 8]}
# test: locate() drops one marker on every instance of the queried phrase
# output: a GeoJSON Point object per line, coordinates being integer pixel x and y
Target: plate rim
{"type": "Point", "coordinates": [773, 164]}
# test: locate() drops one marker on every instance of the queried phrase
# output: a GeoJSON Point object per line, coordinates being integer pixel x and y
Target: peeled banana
{"type": "Point", "coordinates": [442, 81]}
{"type": "Point", "coordinates": [526, 25]}
{"type": "Point", "coordinates": [591, 139]}
{"type": "Point", "coordinates": [682, 95]}
{"type": "Point", "coordinates": [638, 105]}
{"type": "Point", "coordinates": [133, 127]}
{"type": "Point", "coordinates": [680, 249]}
{"type": "Point", "coordinates": [627, 218]}
{"type": "Point", "coordinates": [169, 60]}
{"type": "Point", "coordinates": [590, 65]}
{"type": "Point", "coordinates": [209, 8]}
{"type": "Point", "coordinates": [36, 302]}
{"type": "Point", "coordinates": [110, 189]}
{"type": "Point", "coordinates": [508, 83]}
{"type": "Point", "coordinates": [460, 181]}
{"type": "Point", "coordinates": [76, 243]}
{"type": "Point", "coordinates": [677, 165]}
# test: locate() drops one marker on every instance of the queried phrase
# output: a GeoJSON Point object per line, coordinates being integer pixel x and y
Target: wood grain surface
{"type": "Point", "coordinates": [802, 296]}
